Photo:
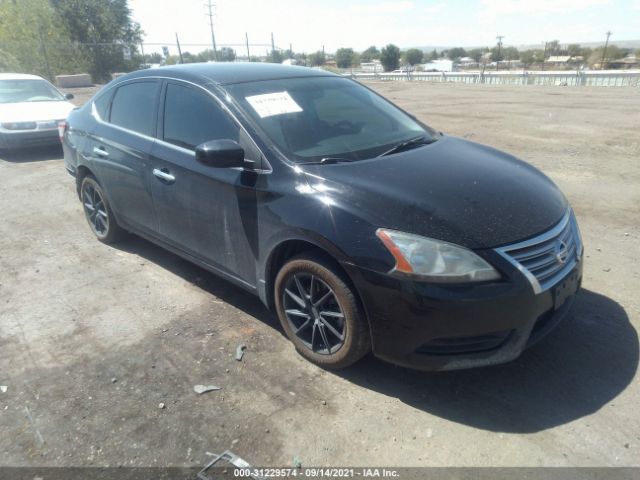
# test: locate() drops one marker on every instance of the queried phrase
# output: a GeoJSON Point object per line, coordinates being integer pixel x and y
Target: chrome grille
{"type": "Point", "coordinates": [545, 259]}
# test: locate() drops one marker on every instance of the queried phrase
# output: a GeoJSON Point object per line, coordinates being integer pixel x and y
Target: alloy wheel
{"type": "Point", "coordinates": [95, 210]}
{"type": "Point", "coordinates": [314, 313]}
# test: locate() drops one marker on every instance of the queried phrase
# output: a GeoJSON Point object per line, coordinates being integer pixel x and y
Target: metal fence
{"type": "Point", "coordinates": [600, 78]}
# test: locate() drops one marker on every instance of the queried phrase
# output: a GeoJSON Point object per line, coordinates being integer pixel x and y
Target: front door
{"type": "Point", "coordinates": [206, 212]}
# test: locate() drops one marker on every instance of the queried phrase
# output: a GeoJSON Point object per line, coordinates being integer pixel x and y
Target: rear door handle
{"type": "Point", "coordinates": [100, 151]}
{"type": "Point", "coordinates": [164, 175]}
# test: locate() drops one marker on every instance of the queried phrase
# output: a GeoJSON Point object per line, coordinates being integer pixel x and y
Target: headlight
{"type": "Point", "coordinates": [434, 260]}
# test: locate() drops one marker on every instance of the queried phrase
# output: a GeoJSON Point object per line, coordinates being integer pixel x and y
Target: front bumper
{"type": "Point", "coordinates": [448, 327]}
{"type": "Point", "coordinates": [28, 138]}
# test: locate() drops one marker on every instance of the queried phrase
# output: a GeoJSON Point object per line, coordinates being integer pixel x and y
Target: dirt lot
{"type": "Point", "coordinates": [93, 338]}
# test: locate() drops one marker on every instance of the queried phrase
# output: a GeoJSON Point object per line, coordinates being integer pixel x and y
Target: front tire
{"type": "Point", "coordinates": [98, 212]}
{"type": "Point", "coordinates": [320, 312]}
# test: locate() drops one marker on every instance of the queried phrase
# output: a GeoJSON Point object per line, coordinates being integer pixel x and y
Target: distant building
{"type": "Point", "coordinates": [558, 59]}
{"type": "Point", "coordinates": [630, 61]}
{"type": "Point", "coordinates": [439, 65]}
{"type": "Point", "coordinates": [372, 67]}
{"type": "Point", "coordinates": [467, 61]}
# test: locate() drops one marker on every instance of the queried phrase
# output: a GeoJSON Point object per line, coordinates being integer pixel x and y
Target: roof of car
{"type": "Point", "coordinates": [225, 73]}
{"type": "Point", "coordinates": [18, 76]}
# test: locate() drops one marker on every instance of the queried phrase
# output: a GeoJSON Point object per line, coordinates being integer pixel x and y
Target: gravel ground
{"type": "Point", "coordinates": [95, 339]}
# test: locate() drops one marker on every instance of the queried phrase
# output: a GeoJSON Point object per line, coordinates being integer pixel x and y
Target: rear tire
{"type": "Point", "coordinates": [98, 212]}
{"type": "Point", "coordinates": [320, 312]}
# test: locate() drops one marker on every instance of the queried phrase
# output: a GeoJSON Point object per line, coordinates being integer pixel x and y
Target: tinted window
{"type": "Point", "coordinates": [133, 107]}
{"type": "Point", "coordinates": [192, 117]}
{"type": "Point", "coordinates": [102, 105]}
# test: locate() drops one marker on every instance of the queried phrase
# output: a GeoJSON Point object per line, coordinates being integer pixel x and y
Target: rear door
{"type": "Point", "coordinates": [207, 212]}
{"type": "Point", "coordinates": [119, 150]}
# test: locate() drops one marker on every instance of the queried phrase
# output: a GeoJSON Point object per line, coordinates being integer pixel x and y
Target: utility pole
{"type": "Point", "coordinates": [273, 45]}
{"type": "Point", "coordinates": [544, 54]}
{"type": "Point", "coordinates": [290, 51]}
{"type": "Point", "coordinates": [604, 52]}
{"type": "Point", "coordinates": [213, 37]}
{"type": "Point", "coordinates": [144, 61]}
{"type": "Point", "coordinates": [246, 36]}
{"type": "Point", "coordinates": [44, 54]}
{"type": "Point", "coordinates": [179, 50]}
{"type": "Point", "coordinates": [499, 38]}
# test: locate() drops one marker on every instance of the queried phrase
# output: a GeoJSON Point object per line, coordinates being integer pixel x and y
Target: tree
{"type": "Point", "coordinates": [371, 53]}
{"type": "Point", "coordinates": [456, 53]}
{"type": "Point", "coordinates": [344, 57]}
{"type": "Point", "coordinates": [226, 54]}
{"type": "Point", "coordinates": [574, 49]}
{"type": "Point", "coordinates": [529, 57]}
{"type": "Point", "coordinates": [34, 40]}
{"type": "Point", "coordinates": [275, 56]}
{"type": "Point", "coordinates": [206, 56]}
{"type": "Point", "coordinates": [497, 54]}
{"type": "Point", "coordinates": [105, 29]}
{"type": "Point", "coordinates": [390, 57]}
{"type": "Point", "coordinates": [613, 52]}
{"type": "Point", "coordinates": [432, 56]}
{"type": "Point", "coordinates": [511, 53]}
{"type": "Point", "coordinates": [553, 48]}
{"type": "Point", "coordinates": [355, 60]}
{"type": "Point", "coordinates": [188, 57]}
{"type": "Point", "coordinates": [154, 57]}
{"type": "Point", "coordinates": [476, 54]}
{"type": "Point", "coordinates": [318, 58]}
{"type": "Point", "coordinates": [8, 63]}
{"type": "Point", "coordinates": [413, 56]}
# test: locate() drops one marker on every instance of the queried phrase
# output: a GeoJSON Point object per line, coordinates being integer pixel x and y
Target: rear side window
{"type": "Point", "coordinates": [133, 107]}
{"type": "Point", "coordinates": [102, 105]}
{"type": "Point", "coordinates": [192, 117]}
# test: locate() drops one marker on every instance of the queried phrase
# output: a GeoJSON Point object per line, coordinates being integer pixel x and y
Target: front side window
{"type": "Point", "coordinates": [133, 107]}
{"type": "Point", "coordinates": [16, 91]}
{"type": "Point", "coordinates": [314, 118]}
{"type": "Point", "coordinates": [192, 117]}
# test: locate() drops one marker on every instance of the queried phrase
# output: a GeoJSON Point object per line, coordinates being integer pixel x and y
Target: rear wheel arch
{"type": "Point", "coordinates": [81, 172]}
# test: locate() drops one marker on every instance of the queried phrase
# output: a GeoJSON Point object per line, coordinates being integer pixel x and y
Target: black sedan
{"type": "Point", "coordinates": [363, 228]}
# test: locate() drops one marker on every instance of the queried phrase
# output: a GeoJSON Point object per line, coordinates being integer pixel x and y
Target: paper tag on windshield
{"type": "Point", "coordinates": [270, 104]}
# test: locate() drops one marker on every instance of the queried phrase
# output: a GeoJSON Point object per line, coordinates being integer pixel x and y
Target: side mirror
{"type": "Point", "coordinates": [69, 96]}
{"type": "Point", "coordinates": [220, 154]}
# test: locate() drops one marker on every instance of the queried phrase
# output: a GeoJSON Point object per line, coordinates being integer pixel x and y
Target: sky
{"type": "Point", "coordinates": [308, 25]}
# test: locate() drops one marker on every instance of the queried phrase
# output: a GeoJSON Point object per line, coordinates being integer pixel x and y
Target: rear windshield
{"type": "Point", "coordinates": [319, 117]}
{"type": "Point", "coordinates": [15, 91]}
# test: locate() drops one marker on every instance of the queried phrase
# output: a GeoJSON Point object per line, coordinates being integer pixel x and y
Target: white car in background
{"type": "Point", "coordinates": [31, 110]}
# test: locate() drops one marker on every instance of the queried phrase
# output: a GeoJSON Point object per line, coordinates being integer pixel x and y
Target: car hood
{"type": "Point", "coordinates": [34, 111]}
{"type": "Point", "coordinates": [452, 190]}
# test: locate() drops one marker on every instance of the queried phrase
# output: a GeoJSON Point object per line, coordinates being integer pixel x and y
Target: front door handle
{"type": "Point", "coordinates": [164, 175]}
{"type": "Point", "coordinates": [100, 151]}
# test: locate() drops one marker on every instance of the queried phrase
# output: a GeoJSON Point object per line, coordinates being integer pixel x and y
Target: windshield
{"type": "Point", "coordinates": [310, 119]}
{"type": "Point", "coordinates": [15, 91]}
